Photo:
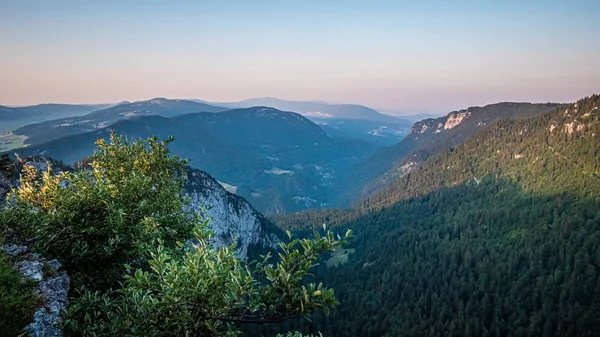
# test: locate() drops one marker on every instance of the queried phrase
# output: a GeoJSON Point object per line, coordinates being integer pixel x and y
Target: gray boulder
{"type": "Point", "coordinates": [32, 270]}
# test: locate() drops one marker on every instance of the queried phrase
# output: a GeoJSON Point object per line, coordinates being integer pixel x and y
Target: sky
{"type": "Point", "coordinates": [426, 56]}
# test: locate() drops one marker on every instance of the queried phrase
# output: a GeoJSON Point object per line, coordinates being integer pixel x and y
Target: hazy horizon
{"type": "Point", "coordinates": [388, 55]}
{"type": "Point", "coordinates": [392, 111]}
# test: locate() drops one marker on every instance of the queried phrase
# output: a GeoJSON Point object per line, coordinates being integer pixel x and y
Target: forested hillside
{"type": "Point", "coordinates": [497, 237]}
{"type": "Point", "coordinates": [553, 153]}
{"type": "Point", "coordinates": [426, 138]}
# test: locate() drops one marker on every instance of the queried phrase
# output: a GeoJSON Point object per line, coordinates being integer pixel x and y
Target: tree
{"type": "Point", "coordinates": [207, 292]}
{"type": "Point", "coordinates": [96, 219]}
{"type": "Point", "coordinates": [124, 213]}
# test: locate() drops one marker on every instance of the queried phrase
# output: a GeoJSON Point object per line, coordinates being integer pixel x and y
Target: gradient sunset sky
{"type": "Point", "coordinates": [432, 56]}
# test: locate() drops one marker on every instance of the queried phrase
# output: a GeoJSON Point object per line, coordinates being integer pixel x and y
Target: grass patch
{"type": "Point", "coordinates": [339, 257]}
{"type": "Point", "coordinates": [10, 141]}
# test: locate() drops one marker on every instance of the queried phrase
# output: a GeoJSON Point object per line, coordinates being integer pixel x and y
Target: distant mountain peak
{"type": "Point", "coordinates": [160, 100]}
{"type": "Point", "coordinates": [316, 109]}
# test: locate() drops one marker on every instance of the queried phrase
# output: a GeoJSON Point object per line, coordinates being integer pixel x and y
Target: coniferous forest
{"type": "Point", "coordinates": [497, 237]}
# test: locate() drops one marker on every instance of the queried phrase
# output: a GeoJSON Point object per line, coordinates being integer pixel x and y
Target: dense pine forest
{"type": "Point", "coordinates": [499, 236]}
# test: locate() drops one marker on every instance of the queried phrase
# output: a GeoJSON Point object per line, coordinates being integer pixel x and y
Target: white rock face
{"type": "Point", "coordinates": [455, 118]}
{"type": "Point", "coordinates": [233, 218]}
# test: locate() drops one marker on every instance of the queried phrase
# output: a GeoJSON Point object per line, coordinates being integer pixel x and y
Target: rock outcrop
{"type": "Point", "coordinates": [53, 289]}
{"type": "Point", "coordinates": [233, 218]}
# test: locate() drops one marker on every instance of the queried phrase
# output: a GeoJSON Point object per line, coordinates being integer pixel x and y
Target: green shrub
{"type": "Point", "coordinates": [206, 292]}
{"type": "Point", "coordinates": [96, 220]}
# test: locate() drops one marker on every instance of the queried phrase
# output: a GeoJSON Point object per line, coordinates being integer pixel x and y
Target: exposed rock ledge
{"type": "Point", "coordinates": [53, 289]}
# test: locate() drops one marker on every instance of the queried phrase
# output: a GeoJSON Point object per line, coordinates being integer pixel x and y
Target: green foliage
{"type": "Point", "coordinates": [206, 292]}
{"type": "Point", "coordinates": [96, 220]}
{"type": "Point", "coordinates": [473, 259]}
{"type": "Point", "coordinates": [17, 299]}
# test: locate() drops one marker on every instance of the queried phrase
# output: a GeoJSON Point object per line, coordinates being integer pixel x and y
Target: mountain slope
{"type": "Point", "coordinates": [53, 129]}
{"type": "Point", "coordinates": [280, 161]}
{"type": "Point", "coordinates": [426, 138]}
{"type": "Point", "coordinates": [14, 117]}
{"type": "Point", "coordinates": [567, 139]}
{"type": "Point", "coordinates": [499, 236]}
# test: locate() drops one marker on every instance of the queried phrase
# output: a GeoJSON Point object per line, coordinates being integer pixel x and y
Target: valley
{"type": "Point", "coordinates": [500, 185]}
{"type": "Point", "coordinates": [503, 217]}
{"type": "Point", "coordinates": [299, 168]}
{"type": "Point", "coordinates": [10, 141]}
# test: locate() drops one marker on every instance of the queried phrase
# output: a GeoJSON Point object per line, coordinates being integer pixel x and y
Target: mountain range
{"type": "Point", "coordinates": [340, 120]}
{"type": "Point", "coordinates": [15, 117]}
{"type": "Point", "coordinates": [337, 120]}
{"type": "Point", "coordinates": [57, 128]}
{"type": "Point", "coordinates": [280, 161]}
{"type": "Point", "coordinates": [314, 109]}
{"type": "Point", "coordinates": [310, 170]}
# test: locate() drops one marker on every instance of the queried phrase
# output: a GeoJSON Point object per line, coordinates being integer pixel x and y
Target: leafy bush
{"type": "Point", "coordinates": [96, 220]}
{"type": "Point", "coordinates": [206, 292]}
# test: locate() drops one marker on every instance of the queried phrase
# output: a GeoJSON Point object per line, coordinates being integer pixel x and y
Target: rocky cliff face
{"type": "Point", "coordinates": [452, 129]}
{"type": "Point", "coordinates": [233, 218]}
